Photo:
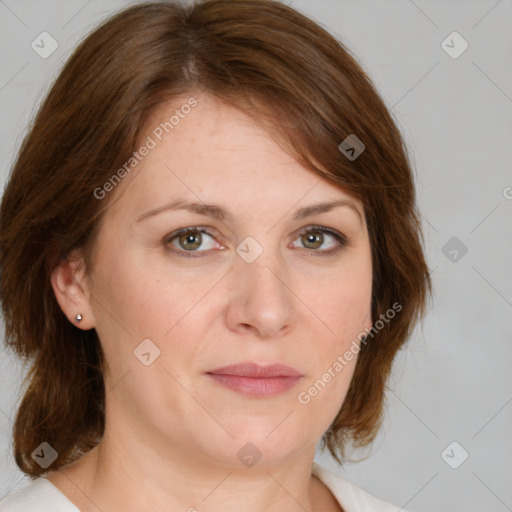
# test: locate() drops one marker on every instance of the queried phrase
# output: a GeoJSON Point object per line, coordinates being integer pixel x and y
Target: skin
{"type": "Point", "coordinates": [172, 434]}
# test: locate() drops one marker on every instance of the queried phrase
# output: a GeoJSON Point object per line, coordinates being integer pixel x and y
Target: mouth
{"type": "Point", "coordinates": [255, 380]}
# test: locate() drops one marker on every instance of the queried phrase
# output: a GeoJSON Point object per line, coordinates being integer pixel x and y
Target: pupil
{"type": "Point", "coordinates": [190, 241]}
{"type": "Point", "coordinates": [314, 239]}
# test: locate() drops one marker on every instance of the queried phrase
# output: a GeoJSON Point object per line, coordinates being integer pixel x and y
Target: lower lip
{"type": "Point", "coordinates": [255, 386]}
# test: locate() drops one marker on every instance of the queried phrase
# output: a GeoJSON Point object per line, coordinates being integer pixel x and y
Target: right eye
{"type": "Point", "coordinates": [187, 241]}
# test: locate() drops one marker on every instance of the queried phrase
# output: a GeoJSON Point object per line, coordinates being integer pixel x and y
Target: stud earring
{"type": "Point", "coordinates": [78, 318]}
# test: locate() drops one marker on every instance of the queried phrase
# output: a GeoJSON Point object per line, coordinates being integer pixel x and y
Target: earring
{"type": "Point", "coordinates": [78, 318]}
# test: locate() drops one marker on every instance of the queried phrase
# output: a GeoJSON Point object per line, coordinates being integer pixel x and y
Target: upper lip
{"type": "Point", "coordinates": [256, 370]}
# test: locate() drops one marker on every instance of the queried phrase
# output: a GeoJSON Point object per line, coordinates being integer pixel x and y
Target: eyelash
{"type": "Point", "coordinates": [343, 241]}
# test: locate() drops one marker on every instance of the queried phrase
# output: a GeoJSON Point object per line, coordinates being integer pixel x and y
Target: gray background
{"type": "Point", "coordinates": [453, 382]}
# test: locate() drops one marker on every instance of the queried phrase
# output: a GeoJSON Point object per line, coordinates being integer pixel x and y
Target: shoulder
{"type": "Point", "coordinates": [351, 497]}
{"type": "Point", "coordinates": [39, 495]}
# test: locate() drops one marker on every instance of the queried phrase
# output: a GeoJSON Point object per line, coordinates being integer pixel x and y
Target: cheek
{"type": "Point", "coordinates": [133, 295]}
{"type": "Point", "coordinates": [344, 307]}
{"type": "Point", "coordinates": [343, 303]}
{"type": "Point", "coordinates": [136, 301]}
{"type": "Point", "coordinates": [321, 396]}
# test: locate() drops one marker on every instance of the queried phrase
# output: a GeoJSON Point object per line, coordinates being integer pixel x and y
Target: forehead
{"type": "Point", "coordinates": [217, 153]}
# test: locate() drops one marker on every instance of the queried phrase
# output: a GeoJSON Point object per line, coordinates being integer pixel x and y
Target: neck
{"type": "Point", "coordinates": [125, 472]}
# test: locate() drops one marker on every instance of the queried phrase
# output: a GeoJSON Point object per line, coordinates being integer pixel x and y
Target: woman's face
{"type": "Point", "coordinates": [259, 279]}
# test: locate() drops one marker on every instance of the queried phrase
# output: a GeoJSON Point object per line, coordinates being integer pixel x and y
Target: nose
{"type": "Point", "coordinates": [261, 300]}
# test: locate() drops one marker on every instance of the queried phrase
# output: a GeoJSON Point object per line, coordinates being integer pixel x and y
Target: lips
{"type": "Point", "coordinates": [255, 370]}
{"type": "Point", "coordinates": [256, 380]}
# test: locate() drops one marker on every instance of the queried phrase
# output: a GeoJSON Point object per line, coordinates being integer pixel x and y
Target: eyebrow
{"type": "Point", "coordinates": [223, 214]}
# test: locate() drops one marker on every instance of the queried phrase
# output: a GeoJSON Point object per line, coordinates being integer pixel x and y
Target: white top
{"type": "Point", "coordinates": [40, 495]}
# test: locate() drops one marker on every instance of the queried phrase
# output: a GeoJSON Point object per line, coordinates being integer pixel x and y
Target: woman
{"type": "Point", "coordinates": [210, 255]}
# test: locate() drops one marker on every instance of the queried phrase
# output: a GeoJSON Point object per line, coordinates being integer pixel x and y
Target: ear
{"type": "Point", "coordinates": [71, 290]}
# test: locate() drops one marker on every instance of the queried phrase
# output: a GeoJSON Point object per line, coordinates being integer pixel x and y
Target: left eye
{"type": "Point", "coordinates": [315, 238]}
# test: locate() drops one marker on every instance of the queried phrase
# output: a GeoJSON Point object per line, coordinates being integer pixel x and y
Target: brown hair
{"type": "Point", "coordinates": [260, 56]}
